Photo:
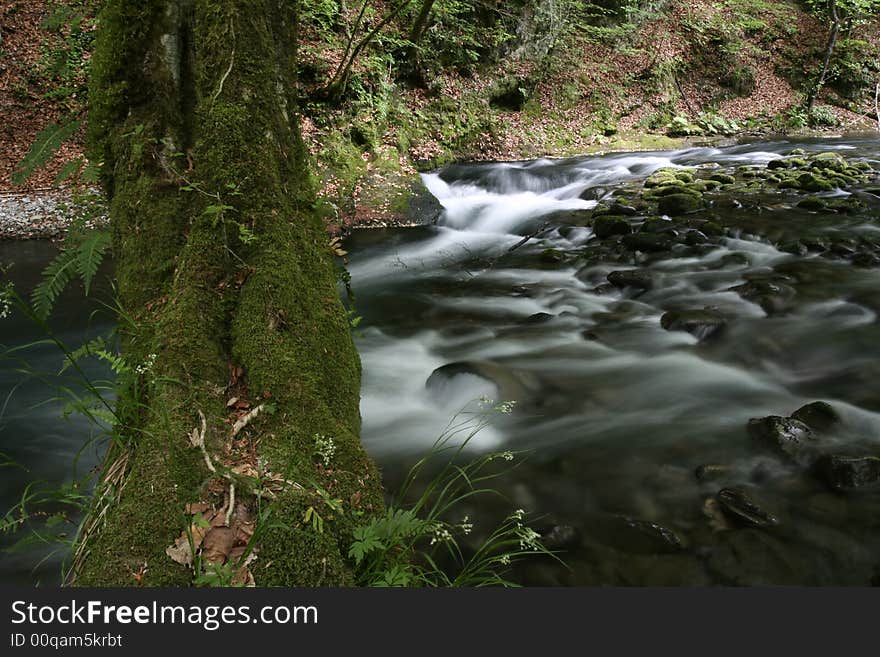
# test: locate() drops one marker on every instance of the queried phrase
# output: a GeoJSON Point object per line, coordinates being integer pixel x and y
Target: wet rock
{"type": "Point", "coordinates": [784, 435]}
{"type": "Point", "coordinates": [812, 203]}
{"type": "Point", "coordinates": [817, 415]}
{"type": "Point", "coordinates": [637, 278]}
{"type": "Point", "coordinates": [723, 178]}
{"type": "Point", "coordinates": [695, 238]}
{"type": "Point", "coordinates": [795, 248]}
{"type": "Point", "coordinates": [777, 164]}
{"type": "Point", "coordinates": [698, 322]}
{"type": "Point", "coordinates": [552, 256]}
{"type": "Point", "coordinates": [538, 318]}
{"type": "Point", "coordinates": [678, 204]}
{"type": "Point", "coordinates": [772, 295]}
{"type": "Point", "coordinates": [740, 508]}
{"type": "Point", "coordinates": [635, 536]}
{"type": "Point", "coordinates": [623, 210]}
{"type": "Point", "coordinates": [848, 472]}
{"type": "Point", "coordinates": [810, 182]}
{"type": "Point", "coordinates": [648, 242]}
{"type": "Point", "coordinates": [866, 260]}
{"type": "Point", "coordinates": [609, 225]}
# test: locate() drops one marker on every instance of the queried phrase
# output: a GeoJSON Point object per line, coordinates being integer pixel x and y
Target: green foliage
{"type": "Point", "coordinates": [64, 54]}
{"type": "Point", "coordinates": [417, 544]}
{"type": "Point", "coordinates": [44, 147]}
{"type": "Point", "coordinates": [81, 256]}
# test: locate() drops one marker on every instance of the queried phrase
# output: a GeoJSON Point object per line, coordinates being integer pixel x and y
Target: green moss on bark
{"type": "Point", "coordinates": [214, 110]}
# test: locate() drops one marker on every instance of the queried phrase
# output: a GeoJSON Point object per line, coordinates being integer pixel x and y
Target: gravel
{"type": "Point", "coordinates": [37, 215]}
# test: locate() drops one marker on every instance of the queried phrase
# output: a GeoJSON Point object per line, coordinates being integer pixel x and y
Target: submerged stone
{"type": "Point", "coordinates": [848, 472]}
{"type": "Point", "coordinates": [638, 278]}
{"type": "Point", "coordinates": [648, 242]}
{"type": "Point", "coordinates": [698, 322]}
{"type": "Point", "coordinates": [710, 471]}
{"type": "Point", "coordinates": [738, 506]}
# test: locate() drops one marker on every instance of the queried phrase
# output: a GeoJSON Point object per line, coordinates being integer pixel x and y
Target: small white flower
{"type": "Point", "coordinates": [147, 365]}
{"type": "Point", "coordinates": [528, 538]}
{"type": "Point", "coordinates": [466, 526]}
{"type": "Point", "coordinates": [441, 535]}
{"type": "Point", "coordinates": [518, 514]}
{"type": "Point", "coordinates": [507, 456]}
{"type": "Point", "coordinates": [324, 448]}
{"type": "Point", "coordinates": [505, 408]}
{"type": "Point", "coordinates": [505, 559]}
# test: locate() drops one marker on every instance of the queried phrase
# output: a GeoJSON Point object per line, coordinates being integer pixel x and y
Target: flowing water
{"type": "Point", "coordinates": [614, 413]}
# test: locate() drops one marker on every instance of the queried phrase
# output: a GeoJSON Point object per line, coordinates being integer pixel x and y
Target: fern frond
{"type": "Point", "coordinates": [89, 255]}
{"type": "Point", "coordinates": [70, 169]}
{"type": "Point", "coordinates": [55, 277]}
{"type": "Point", "coordinates": [116, 362]}
{"type": "Point", "coordinates": [43, 148]}
{"type": "Point", "coordinates": [90, 348]}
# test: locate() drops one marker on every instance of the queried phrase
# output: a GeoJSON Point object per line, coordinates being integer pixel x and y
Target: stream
{"type": "Point", "coordinates": [651, 368]}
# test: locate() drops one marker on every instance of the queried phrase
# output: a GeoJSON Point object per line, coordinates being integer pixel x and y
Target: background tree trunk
{"type": "Point", "coordinates": [829, 50]}
{"type": "Point", "coordinates": [200, 94]}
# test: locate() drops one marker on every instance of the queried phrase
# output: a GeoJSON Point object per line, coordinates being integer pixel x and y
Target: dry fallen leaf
{"type": "Point", "coordinates": [217, 545]}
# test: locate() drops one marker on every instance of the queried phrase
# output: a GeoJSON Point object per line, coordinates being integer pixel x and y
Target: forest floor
{"type": "Point", "coordinates": [721, 70]}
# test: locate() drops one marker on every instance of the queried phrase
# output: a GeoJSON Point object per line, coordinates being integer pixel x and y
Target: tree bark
{"type": "Point", "coordinates": [829, 50]}
{"type": "Point", "coordinates": [199, 95]}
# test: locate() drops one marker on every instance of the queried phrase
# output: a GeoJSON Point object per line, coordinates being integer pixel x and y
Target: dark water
{"type": "Point", "coordinates": [614, 412]}
{"type": "Point", "coordinates": [51, 450]}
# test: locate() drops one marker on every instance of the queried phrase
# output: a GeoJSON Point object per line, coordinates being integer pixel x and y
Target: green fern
{"type": "Point", "coordinates": [90, 348]}
{"type": "Point", "coordinates": [90, 254]}
{"type": "Point", "coordinates": [69, 170]}
{"type": "Point", "coordinates": [55, 278]}
{"type": "Point", "coordinates": [81, 256]}
{"type": "Point", "coordinates": [43, 148]}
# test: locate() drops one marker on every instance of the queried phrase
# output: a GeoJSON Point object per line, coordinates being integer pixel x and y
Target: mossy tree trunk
{"type": "Point", "coordinates": [231, 274]}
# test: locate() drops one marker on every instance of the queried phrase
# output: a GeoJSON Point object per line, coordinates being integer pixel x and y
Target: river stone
{"type": "Point", "coordinates": [695, 238]}
{"type": "Point", "coordinates": [678, 204]}
{"type": "Point", "coordinates": [723, 178]}
{"type": "Point", "coordinates": [783, 435]}
{"type": "Point", "coordinates": [538, 318]}
{"type": "Point", "coordinates": [848, 472]}
{"type": "Point", "coordinates": [608, 225]}
{"type": "Point", "coordinates": [698, 322]}
{"type": "Point", "coordinates": [771, 295]}
{"type": "Point", "coordinates": [636, 536]}
{"type": "Point", "coordinates": [777, 164]}
{"type": "Point", "coordinates": [810, 182]}
{"type": "Point", "coordinates": [817, 415]}
{"type": "Point", "coordinates": [812, 203]}
{"type": "Point", "coordinates": [648, 242]}
{"type": "Point", "coordinates": [738, 506]}
{"type": "Point", "coordinates": [638, 278]}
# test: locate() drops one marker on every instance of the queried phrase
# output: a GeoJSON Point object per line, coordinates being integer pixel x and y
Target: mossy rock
{"type": "Point", "coordinates": [810, 182]}
{"type": "Point", "coordinates": [608, 225]}
{"type": "Point", "coordinates": [723, 178]}
{"type": "Point", "coordinates": [679, 204]}
{"type": "Point", "coordinates": [812, 203]}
